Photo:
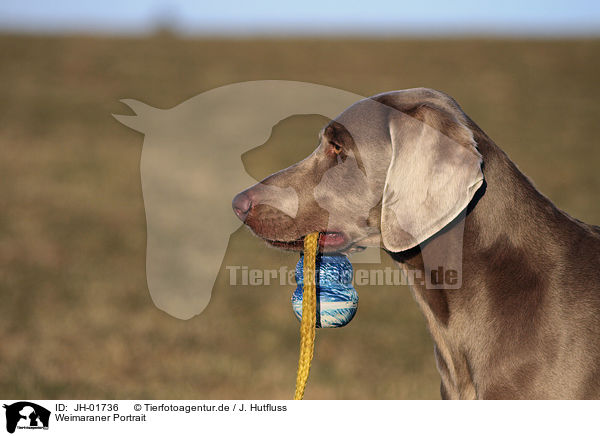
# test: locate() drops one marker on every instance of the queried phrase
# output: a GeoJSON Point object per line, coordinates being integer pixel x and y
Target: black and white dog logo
{"type": "Point", "coordinates": [26, 415]}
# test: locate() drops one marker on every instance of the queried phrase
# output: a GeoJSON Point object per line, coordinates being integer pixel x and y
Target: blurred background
{"type": "Point", "coordinates": [76, 318]}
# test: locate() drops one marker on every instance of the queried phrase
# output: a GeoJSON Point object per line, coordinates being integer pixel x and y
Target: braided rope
{"type": "Point", "coordinates": [309, 314]}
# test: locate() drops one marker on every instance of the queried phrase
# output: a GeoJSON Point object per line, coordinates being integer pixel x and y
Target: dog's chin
{"type": "Point", "coordinates": [329, 242]}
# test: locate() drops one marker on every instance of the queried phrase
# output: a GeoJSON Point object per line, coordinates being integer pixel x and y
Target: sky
{"type": "Point", "coordinates": [376, 17]}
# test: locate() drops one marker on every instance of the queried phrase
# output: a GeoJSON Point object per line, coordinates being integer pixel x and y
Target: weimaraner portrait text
{"type": "Point", "coordinates": [409, 171]}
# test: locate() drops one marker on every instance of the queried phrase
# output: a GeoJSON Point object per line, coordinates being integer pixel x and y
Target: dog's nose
{"type": "Point", "coordinates": [241, 205]}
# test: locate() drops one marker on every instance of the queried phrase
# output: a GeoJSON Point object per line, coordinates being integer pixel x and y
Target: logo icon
{"type": "Point", "coordinates": [26, 415]}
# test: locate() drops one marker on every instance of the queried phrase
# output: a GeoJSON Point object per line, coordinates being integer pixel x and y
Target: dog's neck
{"type": "Point", "coordinates": [507, 207]}
{"type": "Point", "coordinates": [497, 251]}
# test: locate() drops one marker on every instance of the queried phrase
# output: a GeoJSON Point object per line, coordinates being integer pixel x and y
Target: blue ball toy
{"type": "Point", "coordinates": [337, 300]}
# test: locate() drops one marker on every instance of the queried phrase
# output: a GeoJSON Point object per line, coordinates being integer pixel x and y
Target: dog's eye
{"type": "Point", "coordinates": [337, 148]}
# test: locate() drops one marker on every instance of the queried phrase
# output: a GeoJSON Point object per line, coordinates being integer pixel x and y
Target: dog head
{"type": "Point", "coordinates": [397, 168]}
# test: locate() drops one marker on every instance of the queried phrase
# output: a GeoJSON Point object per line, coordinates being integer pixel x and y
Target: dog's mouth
{"type": "Point", "coordinates": [328, 241]}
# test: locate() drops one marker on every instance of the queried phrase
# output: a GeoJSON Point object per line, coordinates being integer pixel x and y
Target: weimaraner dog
{"type": "Point", "coordinates": [410, 168]}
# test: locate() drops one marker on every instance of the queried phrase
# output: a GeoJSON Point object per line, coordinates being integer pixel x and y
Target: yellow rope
{"type": "Point", "coordinates": [309, 314]}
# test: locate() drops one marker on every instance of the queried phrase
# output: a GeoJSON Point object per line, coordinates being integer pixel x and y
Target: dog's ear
{"type": "Point", "coordinates": [434, 172]}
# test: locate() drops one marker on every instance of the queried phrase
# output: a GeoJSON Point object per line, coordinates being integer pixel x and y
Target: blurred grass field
{"type": "Point", "coordinates": [76, 318]}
